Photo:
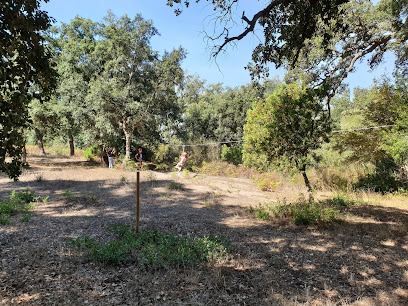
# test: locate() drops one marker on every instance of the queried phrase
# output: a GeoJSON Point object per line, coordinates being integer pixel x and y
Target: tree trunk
{"type": "Point", "coordinates": [104, 157]}
{"type": "Point", "coordinates": [24, 154]}
{"type": "Point", "coordinates": [127, 137]}
{"type": "Point", "coordinates": [71, 145]}
{"type": "Point", "coordinates": [307, 183]}
{"type": "Point", "coordinates": [40, 141]}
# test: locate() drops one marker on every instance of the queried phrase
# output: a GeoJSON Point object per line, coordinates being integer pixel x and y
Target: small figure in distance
{"type": "Point", "coordinates": [111, 153]}
{"type": "Point", "coordinates": [139, 156]}
{"type": "Point", "coordinates": [183, 159]}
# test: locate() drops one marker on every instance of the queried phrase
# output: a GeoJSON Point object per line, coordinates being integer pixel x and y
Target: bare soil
{"type": "Point", "coordinates": [361, 261]}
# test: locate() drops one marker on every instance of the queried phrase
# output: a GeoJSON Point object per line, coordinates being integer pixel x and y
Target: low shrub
{"type": "Point", "coordinates": [232, 154]}
{"type": "Point", "coordinates": [152, 249]}
{"type": "Point", "coordinates": [266, 181]}
{"type": "Point", "coordinates": [19, 202]}
{"type": "Point", "coordinates": [302, 212]}
{"type": "Point", "coordinates": [91, 153]}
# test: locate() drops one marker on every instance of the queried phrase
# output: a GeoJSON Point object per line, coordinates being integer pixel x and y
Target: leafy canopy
{"type": "Point", "coordinates": [286, 127]}
{"type": "Point", "coordinates": [24, 63]}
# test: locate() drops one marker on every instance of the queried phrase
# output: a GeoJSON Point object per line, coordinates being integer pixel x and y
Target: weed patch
{"type": "Point", "coordinates": [175, 186]}
{"type": "Point", "coordinates": [151, 249]}
{"type": "Point", "coordinates": [302, 212]}
{"type": "Point", "coordinates": [19, 202]}
{"type": "Point", "coordinates": [266, 182]}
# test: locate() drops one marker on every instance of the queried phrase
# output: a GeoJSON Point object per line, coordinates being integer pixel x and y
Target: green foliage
{"type": "Point", "coordinates": [232, 154]}
{"type": "Point", "coordinates": [152, 249]}
{"type": "Point", "coordinates": [121, 95]}
{"type": "Point", "coordinates": [302, 212]}
{"type": "Point", "coordinates": [165, 154]}
{"type": "Point", "coordinates": [339, 201]}
{"type": "Point", "coordinates": [91, 153]}
{"type": "Point", "coordinates": [24, 63]}
{"type": "Point", "coordinates": [4, 218]}
{"type": "Point", "coordinates": [26, 217]}
{"type": "Point", "coordinates": [386, 148]}
{"type": "Point", "coordinates": [383, 179]}
{"type": "Point", "coordinates": [69, 195]}
{"type": "Point", "coordinates": [286, 27]}
{"type": "Point", "coordinates": [19, 202]}
{"type": "Point", "coordinates": [286, 128]}
{"type": "Point", "coordinates": [266, 182]}
{"type": "Point", "coordinates": [82, 243]}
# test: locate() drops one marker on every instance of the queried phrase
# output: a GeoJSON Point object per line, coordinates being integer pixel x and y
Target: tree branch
{"type": "Point", "coordinates": [251, 24]}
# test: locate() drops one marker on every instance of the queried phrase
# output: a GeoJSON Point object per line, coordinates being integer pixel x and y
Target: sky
{"type": "Point", "coordinates": [186, 30]}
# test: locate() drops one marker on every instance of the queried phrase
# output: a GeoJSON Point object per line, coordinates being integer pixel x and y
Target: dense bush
{"type": "Point", "coordinates": [91, 153]}
{"type": "Point", "coordinates": [232, 154]}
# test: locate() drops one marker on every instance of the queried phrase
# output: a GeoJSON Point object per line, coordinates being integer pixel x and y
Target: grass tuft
{"type": "Point", "coordinates": [303, 212]}
{"type": "Point", "coordinates": [175, 186]}
{"type": "Point", "coordinates": [19, 202]}
{"type": "Point", "coordinates": [151, 249]}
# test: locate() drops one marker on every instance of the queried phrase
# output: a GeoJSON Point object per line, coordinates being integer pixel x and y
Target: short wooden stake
{"type": "Point", "coordinates": [137, 200]}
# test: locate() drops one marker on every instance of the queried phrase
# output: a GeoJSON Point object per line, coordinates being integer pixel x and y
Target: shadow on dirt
{"type": "Point", "coordinates": [271, 264]}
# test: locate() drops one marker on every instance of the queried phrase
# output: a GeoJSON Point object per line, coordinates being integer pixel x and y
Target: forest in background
{"type": "Point", "coordinates": [111, 89]}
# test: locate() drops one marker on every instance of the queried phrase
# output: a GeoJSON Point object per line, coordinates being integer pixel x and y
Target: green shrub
{"type": "Point", "coordinates": [83, 242]}
{"type": "Point", "coordinates": [302, 212]}
{"type": "Point", "coordinates": [69, 195]}
{"type": "Point", "coordinates": [152, 249]}
{"type": "Point", "coordinates": [4, 219]}
{"type": "Point", "coordinates": [339, 200]}
{"type": "Point", "coordinates": [383, 179]}
{"type": "Point", "coordinates": [266, 182]}
{"type": "Point", "coordinates": [19, 202]}
{"type": "Point", "coordinates": [91, 153]}
{"type": "Point", "coordinates": [25, 217]}
{"type": "Point", "coordinates": [232, 154]}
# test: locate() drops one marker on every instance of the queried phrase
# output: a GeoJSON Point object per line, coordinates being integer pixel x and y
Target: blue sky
{"type": "Point", "coordinates": [186, 30]}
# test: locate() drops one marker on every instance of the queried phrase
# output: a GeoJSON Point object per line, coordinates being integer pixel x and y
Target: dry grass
{"type": "Point", "coordinates": [360, 261]}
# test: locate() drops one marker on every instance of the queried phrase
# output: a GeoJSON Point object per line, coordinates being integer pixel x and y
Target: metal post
{"type": "Point", "coordinates": [137, 200]}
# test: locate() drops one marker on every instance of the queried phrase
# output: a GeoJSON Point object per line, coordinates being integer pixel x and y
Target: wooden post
{"type": "Point", "coordinates": [137, 199]}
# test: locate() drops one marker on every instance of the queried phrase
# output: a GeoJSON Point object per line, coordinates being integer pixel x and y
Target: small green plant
{"type": "Point", "coordinates": [19, 202]}
{"type": "Point", "coordinates": [83, 242]}
{"type": "Point", "coordinates": [26, 217]}
{"type": "Point", "coordinates": [123, 180]}
{"type": "Point", "coordinates": [175, 186]}
{"type": "Point", "coordinates": [151, 249]}
{"type": "Point", "coordinates": [68, 195]}
{"type": "Point", "coordinates": [262, 212]}
{"type": "Point", "coordinates": [4, 219]}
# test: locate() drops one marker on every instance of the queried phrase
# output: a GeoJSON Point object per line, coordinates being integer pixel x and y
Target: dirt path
{"type": "Point", "coordinates": [363, 260]}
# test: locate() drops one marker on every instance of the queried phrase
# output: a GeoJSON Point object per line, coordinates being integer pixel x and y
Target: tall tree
{"type": "Point", "coordinates": [136, 85]}
{"type": "Point", "coordinates": [286, 127]}
{"type": "Point", "coordinates": [74, 49]}
{"type": "Point", "coordinates": [23, 62]}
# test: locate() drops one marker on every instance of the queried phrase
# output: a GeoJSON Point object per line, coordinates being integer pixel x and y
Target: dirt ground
{"type": "Point", "coordinates": [361, 261]}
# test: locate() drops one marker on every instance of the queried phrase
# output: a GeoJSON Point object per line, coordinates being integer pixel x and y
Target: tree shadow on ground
{"type": "Point", "coordinates": [272, 262]}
